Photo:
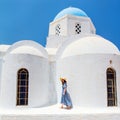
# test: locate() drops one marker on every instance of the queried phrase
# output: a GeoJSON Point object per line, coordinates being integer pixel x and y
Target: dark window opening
{"type": "Point", "coordinates": [22, 87]}
{"type": "Point", "coordinates": [77, 28]}
{"type": "Point", "coordinates": [111, 88]}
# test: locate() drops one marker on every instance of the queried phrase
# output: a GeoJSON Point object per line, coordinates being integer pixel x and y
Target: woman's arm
{"type": "Point", "coordinates": [65, 89]}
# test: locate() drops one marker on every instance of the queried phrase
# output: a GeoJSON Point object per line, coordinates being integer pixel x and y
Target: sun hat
{"type": "Point", "coordinates": [61, 78]}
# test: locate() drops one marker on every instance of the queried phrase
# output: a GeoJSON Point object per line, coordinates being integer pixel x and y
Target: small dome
{"type": "Point", "coordinates": [90, 45]}
{"type": "Point", "coordinates": [27, 50]}
{"type": "Point", "coordinates": [71, 11]}
{"type": "Point", "coordinates": [28, 47]}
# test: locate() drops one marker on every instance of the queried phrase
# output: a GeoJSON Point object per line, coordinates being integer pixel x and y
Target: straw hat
{"type": "Point", "coordinates": [61, 78]}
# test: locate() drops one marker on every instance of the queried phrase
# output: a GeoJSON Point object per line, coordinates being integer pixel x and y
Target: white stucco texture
{"type": "Point", "coordinates": [90, 45]}
{"type": "Point", "coordinates": [36, 62]}
{"type": "Point", "coordinates": [84, 63]}
{"type": "Point", "coordinates": [28, 47]}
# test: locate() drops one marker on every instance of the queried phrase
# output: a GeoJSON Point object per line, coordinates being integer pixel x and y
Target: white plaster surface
{"type": "Point", "coordinates": [67, 24]}
{"type": "Point", "coordinates": [90, 45]}
{"type": "Point", "coordinates": [38, 69]}
{"type": "Point", "coordinates": [86, 76]}
{"type": "Point", "coordinates": [56, 113]}
{"type": "Point", "coordinates": [27, 47]}
{"type": "Point", "coordinates": [27, 50]}
{"type": "Point", "coordinates": [3, 48]}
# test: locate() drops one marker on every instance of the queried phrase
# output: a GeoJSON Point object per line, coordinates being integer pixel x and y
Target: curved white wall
{"type": "Point", "coordinates": [32, 56]}
{"type": "Point", "coordinates": [38, 69]}
{"type": "Point", "coordinates": [89, 44]}
{"type": "Point", "coordinates": [86, 76]}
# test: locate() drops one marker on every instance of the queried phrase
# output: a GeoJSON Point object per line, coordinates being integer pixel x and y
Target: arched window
{"type": "Point", "coordinates": [111, 87]}
{"type": "Point", "coordinates": [22, 87]}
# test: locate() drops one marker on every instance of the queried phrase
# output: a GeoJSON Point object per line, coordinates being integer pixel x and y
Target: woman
{"type": "Point", "coordinates": [65, 99]}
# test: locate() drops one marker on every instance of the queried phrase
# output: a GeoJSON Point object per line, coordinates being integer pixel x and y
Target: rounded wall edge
{"type": "Point", "coordinates": [28, 43]}
{"type": "Point", "coordinates": [68, 47]}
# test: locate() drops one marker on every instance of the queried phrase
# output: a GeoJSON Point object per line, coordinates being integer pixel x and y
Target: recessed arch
{"type": "Point", "coordinates": [111, 87]}
{"type": "Point", "coordinates": [22, 86]}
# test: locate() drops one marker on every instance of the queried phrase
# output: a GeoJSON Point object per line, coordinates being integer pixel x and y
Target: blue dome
{"type": "Point", "coordinates": [71, 11]}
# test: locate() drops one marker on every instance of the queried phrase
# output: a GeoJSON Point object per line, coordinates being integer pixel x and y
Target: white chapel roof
{"type": "Point", "coordinates": [28, 47]}
{"type": "Point", "coordinates": [90, 45]}
{"type": "Point", "coordinates": [27, 50]}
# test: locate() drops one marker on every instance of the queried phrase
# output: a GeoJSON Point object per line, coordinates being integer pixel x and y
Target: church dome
{"type": "Point", "coordinates": [71, 11]}
{"type": "Point", "coordinates": [27, 50]}
{"type": "Point", "coordinates": [28, 47]}
{"type": "Point", "coordinates": [90, 45]}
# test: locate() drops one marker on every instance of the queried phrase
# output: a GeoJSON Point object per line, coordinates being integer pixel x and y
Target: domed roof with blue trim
{"type": "Point", "coordinates": [71, 11]}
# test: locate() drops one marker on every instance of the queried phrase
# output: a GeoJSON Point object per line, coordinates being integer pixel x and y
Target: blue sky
{"type": "Point", "coordinates": [29, 19]}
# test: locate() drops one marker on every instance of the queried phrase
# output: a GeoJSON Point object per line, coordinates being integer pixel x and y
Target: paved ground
{"type": "Point", "coordinates": [56, 113]}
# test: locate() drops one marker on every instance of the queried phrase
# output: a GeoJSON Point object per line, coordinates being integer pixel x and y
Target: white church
{"type": "Point", "coordinates": [29, 73]}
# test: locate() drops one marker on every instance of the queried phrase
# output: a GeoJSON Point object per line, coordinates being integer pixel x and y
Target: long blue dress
{"type": "Point", "coordinates": [65, 99]}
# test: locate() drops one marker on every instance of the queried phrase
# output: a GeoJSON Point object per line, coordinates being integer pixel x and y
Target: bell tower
{"type": "Point", "coordinates": [70, 22]}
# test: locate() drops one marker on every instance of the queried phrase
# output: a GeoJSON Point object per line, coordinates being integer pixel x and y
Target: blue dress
{"type": "Point", "coordinates": [65, 99]}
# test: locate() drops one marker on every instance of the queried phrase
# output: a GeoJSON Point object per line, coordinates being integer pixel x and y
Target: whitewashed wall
{"type": "Point", "coordinates": [86, 75]}
{"type": "Point", "coordinates": [38, 69]}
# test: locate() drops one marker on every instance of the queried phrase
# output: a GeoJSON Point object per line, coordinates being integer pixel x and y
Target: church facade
{"type": "Point", "coordinates": [29, 72]}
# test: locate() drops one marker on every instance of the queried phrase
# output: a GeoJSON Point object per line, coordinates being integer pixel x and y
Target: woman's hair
{"type": "Point", "coordinates": [64, 81]}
